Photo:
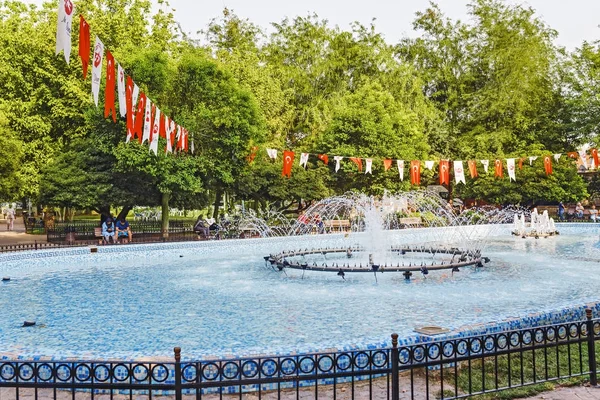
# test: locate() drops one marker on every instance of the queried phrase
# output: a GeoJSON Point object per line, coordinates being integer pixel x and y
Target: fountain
{"type": "Point", "coordinates": [540, 225]}
{"type": "Point", "coordinates": [375, 241]}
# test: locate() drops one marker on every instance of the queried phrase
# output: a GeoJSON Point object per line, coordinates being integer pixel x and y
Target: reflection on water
{"type": "Point", "coordinates": [222, 299]}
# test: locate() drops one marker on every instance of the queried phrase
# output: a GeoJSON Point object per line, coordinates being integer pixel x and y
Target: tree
{"type": "Point", "coordinates": [11, 155]}
{"type": "Point", "coordinates": [532, 185]}
{"type": "Point", "coordinates": [372, 123]}
{"type": "Point", "coordinates": [224, 118]}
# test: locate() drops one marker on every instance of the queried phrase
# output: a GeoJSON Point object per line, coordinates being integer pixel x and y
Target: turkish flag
{"type": "Point", "coordinates": [129, 105]}
{"type": "Point", "coordinates": [473, 168]}
{"type": "Point", "coordinates": [161, 127]}
{"type": "Point", "coordinates": [521, 163]}
{"type": "Point", "coordinates": [358, 162]}
{"type": "Point", "coordinates": [324, 158]}
{"type": "Point", "coordinates": [288, 161]}
{"type": "Point", "coordinates": [595, 157]}
{"type": "Point", "coordinates": [444, 170]}
{"type": "Point", "coordinates": [138, 126]}
{"type": "Point", "coordinates": [573, 154]}
{"type": "Point", "coordinates": [252, 154]}
{"type": "Point", "coordinates": [548, 165]}
{"type": "Point", "coordinates": [109, 91]}
{"type": "Point", "coordinates": [387, 164]}
{"type": "Point", "coordinates": [499, 170]}
{"type": "Point", "coordinates": [84, 44]}
{"type": "Point", "coordinates": [415, 172]}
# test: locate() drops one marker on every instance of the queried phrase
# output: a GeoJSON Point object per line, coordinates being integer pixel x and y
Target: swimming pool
{"type": "Point", "coordinates": [219, 298]}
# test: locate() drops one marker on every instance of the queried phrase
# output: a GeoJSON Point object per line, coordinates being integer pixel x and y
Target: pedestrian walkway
{"type": "Point", "coordinates": [570, 393]}
{"type": "Point", "coordinates": [17, 235]}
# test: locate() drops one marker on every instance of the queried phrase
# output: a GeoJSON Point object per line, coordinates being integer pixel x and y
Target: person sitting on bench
{"type": "Point", "coordinates": [123, 230]}
{"type": "Point", "coordinates": [108, 231]}
{"type": "Point", "coordinates": [201, 227]}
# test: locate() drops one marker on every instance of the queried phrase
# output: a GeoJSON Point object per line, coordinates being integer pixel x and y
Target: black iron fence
{"type": "Point", "coordinates": [143, 231]}
{"type": "Point", "coordinates": [36, 246]}
{"type": "Point", "coordinates": [447, 369]}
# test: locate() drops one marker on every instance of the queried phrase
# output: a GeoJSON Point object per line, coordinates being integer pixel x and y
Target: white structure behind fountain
{"type": "Point", "coordinates": [539, 225]}
{"type": "Point", "coordinates": [408, 232]}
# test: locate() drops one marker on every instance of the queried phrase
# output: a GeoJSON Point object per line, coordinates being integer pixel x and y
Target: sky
{"type": "Point", "coordinates": [575, 20]}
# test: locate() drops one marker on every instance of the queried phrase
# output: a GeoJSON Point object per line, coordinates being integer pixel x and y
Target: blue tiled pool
{"type": "Point", "coordinates": [219, 298]}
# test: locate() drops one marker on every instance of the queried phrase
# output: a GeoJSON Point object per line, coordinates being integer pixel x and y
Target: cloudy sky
{"type": "Point", "coordinates": [575, 20]}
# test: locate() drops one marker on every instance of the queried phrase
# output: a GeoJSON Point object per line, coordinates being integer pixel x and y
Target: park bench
{"type": "Point", "coordinates": [410, 221]}
{"type": "Point", "coordinates": [341, 225]}
{"type": "Point", "coordinates": [98, 234]}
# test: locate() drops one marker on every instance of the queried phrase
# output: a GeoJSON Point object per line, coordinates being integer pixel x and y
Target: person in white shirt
{"type": "Point", "coordinates": [10, 219]}
{"type": "Point", "coordinates": [593, 213]}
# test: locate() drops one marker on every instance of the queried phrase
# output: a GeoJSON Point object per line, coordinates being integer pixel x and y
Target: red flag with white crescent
{"type": "Point", "coordinates": [415, 172]}
{"type": "Point", "coordinates": [499, 172]}
{"type": "Point", "coordinates": [109, 90]}
{"type": "Point", "coordinates": [573, 154]}
{"type": "Point", "coordinates": [444, 171]}
{"type": "Point", "coordinates": [162, 126]}
{"type": "Point", "coordinates": [473, 168]}
{"type": "Point", "coordinates": [595, 157]}
{"type": "Point", "coordinates": [288, 162]}
{"type": "Point", "coordinates": [84, 44]}
{"type": "Point", "coordinates": [129, 102]}
{"type": "Point", "coordinates": [548, 165]}
{"type": "Point", "coordinates": [138, 126]}
{"type": "Point", "coordinates": [324, 158]}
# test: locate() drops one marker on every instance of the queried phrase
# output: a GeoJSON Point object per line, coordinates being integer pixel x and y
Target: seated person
{"type": "Point", "coordinates": [108, 231]}
{"type": "Point", "coordinates": [201, 227]}
{"type": "Point", "coordinates": [579, 210]}
{"type": "Point", "coordinates": [593, 213]}
{"type": "Point", "coordinates": [123, 230]}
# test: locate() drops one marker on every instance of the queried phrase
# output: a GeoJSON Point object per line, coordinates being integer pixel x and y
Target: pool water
{"type": "Point", "coordinates": [221, 299]}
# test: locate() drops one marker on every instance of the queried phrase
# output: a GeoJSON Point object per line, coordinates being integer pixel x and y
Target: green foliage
{"type": "Point", "coordinates": [518, 369]}
{"type": "Point", "coordinates": [11, 155]}
{"type": "Point", "coordinates": [494, 87]}
{"type": "Point", "coordinates": [532, 185]}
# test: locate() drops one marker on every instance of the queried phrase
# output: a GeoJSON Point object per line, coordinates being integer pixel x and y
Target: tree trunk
{"type": "Point", "coordinates": [104, 213]}
{"type": "Point", "coordinates": [218, 196]}
{"type": "Point", "coordinates": [124, 212]}
{"type": "Point", "coordinates": [165, 214]}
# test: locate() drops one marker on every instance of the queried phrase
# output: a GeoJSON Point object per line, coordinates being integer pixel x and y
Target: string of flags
{"type": "Point", "coordinates": [144, 119]}
{"type": "Point", "coordinates": [590, 161]}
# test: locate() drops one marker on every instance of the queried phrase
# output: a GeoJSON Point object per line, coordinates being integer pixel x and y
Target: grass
{"type": "Point", "coordinates": [518, 369]}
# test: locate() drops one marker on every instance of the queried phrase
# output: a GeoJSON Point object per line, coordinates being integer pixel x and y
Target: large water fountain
{"type": "Point", "coordinates": [449, 239]}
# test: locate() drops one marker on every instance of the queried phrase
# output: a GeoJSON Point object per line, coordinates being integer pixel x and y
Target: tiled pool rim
{"type": "Point", "coordinates": [567, 314]}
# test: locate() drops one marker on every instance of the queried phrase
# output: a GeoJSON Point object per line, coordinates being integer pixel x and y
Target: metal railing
{"type": "Point", "coordinates": [144, 231]}
{"type": "Point", "coordinates": [447, 369]}
{"type": "Point", "coordinates": [36, 246]}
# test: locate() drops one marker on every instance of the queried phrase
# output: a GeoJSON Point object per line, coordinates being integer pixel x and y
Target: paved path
{"type": "Point", "coordinates": [18, 235]}
{"type": "Point", "coordinates": [342, 393]}
{"type": "Point", "coordinates": [570, 393]}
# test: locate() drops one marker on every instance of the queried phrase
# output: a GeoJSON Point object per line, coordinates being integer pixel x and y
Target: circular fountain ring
{"type": "Point", "coordinates": [460, 258]}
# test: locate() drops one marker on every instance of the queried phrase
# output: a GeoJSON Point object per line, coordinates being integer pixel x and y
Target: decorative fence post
{"type": "Point", "coordinates": [591, 348]}
{"type": "Point", "coordinates": [395, 369]}
{"type": "Point", "coordinates": [178, 390]}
